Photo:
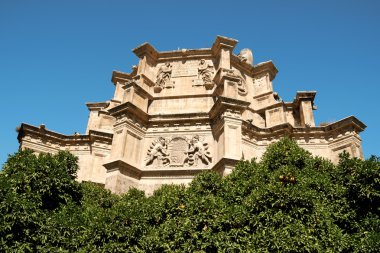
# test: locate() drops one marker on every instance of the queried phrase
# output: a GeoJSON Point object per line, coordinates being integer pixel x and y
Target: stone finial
{"type": "Point", "coordinates": [246, 55]}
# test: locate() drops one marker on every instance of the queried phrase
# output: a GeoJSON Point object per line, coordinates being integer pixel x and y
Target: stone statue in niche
{"type": "Point", "coordinates": [178, 152]}
{"type": "Point", "coordinates": [205, 72]}
{"type": "Point", "coordinates": [198, 152]}
{"type": "Point", "coordinates": [158, 153]}
{"type": "Point", "coordinates": [163, 77]}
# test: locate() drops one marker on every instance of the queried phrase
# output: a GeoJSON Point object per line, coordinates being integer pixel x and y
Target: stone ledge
{"type": "Point", "coordinates": [132, 171]}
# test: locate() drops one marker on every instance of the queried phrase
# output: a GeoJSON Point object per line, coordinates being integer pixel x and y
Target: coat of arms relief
{"type": "Point", "coordinates": [178, 151]}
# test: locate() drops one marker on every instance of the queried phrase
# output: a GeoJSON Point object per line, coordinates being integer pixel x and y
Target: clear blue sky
{"type": "Point", "coordinates": [57, 55]}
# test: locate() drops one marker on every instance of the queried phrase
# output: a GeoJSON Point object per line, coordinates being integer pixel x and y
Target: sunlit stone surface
{"type": "Point", "coordinates": [181, 112]}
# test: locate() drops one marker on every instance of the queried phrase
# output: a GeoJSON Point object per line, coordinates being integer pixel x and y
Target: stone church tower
{"type": "Point", "coordinates": [182, 112]}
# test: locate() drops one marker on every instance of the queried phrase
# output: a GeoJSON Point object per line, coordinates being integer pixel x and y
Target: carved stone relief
{"type": "Point", "coordinates": [240, 83]}
{"type": "Point", "coordinates": [178, 152]}
{"type": "Point", "coordinates": [261, 84]}
{"type": "Point", "coordinates": [205, 74]}
{"type": "Point", "coordinates": [158, 153]}
{"type": "Point", "coordinates": [163, 77]}
{"type": "Point", "coordinates": [198, 152]}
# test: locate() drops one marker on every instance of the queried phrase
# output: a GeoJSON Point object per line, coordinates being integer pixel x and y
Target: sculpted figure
{"type": "Point", "coordinates": [246, 55]}
{"type": "Point", "coordinates": [204, 71]}
{"type": "Point", "coordinates": [198, 151]}
{"type": "Point", "coordinates": [163, 75]}
{"type": "Point", "coordinates": [242, 88]}
{"type": "Point", "coordinates": [158, 151]}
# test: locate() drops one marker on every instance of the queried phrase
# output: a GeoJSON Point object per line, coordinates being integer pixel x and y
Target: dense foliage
{"type": "Point", "coordinates": [290, 201]}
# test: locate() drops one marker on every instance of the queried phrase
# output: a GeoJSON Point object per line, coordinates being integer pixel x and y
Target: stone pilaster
{"type": "Point", "coordinates": [222, 49]}
{"type": "Point", "coordinates": [227, 129]}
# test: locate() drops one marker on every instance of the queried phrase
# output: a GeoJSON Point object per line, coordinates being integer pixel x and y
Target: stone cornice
{"type": "Point", "coordinates": [26, 129]}
{"type": "Point", "coordinates": [128, 107]}
{"type": "Point", "coordinates": [179, 117]}
{"type": "Point", "coordinates": [96, 106]}
{"type": "Point", "coordinates": [139, 89]}
{"type": "Point", "coordinates": [304, 96]}
{"type": "Point", "coordinates": [286, 128]}
{"type": "Point", "coordinates": [348, 121]}
{"type": "Point", "coordinates": [102, 136]}
{"type": "Point", "coordinates": [272, 106]}
{"type": "Point", "coordinates": [122, 77]}
{"type": "Point", "coordinates": [185, 54]}
{"type": "Point", "coordinates": [223, 42]}
{"type": "Point", "coordinates": [131, 171]}
{"type": "Point", "coordinates": [223, 103]}
{"type": "Point", "coordinates": [205, 53]}
{"type": "Point", "coordinates": [204, 95]}
{"type": "Point", "coordinates": [146, 49]}
{"type": "Point", "coordinates": [265, 67]}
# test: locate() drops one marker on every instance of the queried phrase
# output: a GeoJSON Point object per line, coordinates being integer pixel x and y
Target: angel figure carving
{"type": "Point", "coordinates": [158, 151]}
{"type": "Point", "coordinates": [198, 152]}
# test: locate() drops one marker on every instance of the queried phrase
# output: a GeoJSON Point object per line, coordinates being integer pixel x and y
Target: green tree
{"type": "Point", "coordinates": [290, 201]}
{"type": "Point", "coordinates": [31, 188]}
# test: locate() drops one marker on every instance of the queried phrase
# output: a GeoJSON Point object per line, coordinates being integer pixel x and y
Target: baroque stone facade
{"type": "Point", "coordinates": [181, 112]}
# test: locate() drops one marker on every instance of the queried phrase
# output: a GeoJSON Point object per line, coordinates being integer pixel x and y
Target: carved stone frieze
{"type": "Point", "coordinates": [178, 151]}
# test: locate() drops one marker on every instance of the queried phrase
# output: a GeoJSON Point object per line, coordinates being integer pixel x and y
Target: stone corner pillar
{"type": "Point", "coordinates": [227, 130]}
{"type": "Point", "coordinates": [121, 176]}
{"type": "Point", "coordinates": [222, 48]}
{"type": "Point", "coordinates": [305, 101]}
